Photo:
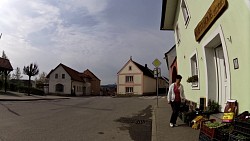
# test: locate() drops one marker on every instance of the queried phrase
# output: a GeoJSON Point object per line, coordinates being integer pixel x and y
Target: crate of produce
{"type": "Point", "coordinates": [211, 127]}
{"type": "Point", "coordinates": [235, 136]}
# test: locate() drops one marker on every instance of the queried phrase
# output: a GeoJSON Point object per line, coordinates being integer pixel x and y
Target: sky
{"type": "Point", "coordinates": [99, 35]}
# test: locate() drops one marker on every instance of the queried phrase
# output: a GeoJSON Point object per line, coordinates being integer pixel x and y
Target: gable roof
{"type": "Point", "coordinates": [167, 56]}
{"type": "Point", "coordinates": [87, 70]}
{"type": "Point", "coordinates": [146, 71]}
{"type": "Point", "coordinates": [5, 64]}
{"type": "Point", "coordinates": [75, 75]}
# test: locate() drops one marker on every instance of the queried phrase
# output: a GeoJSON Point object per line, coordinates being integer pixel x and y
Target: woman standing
{"type": "Point", "coordinates": [175, 96]}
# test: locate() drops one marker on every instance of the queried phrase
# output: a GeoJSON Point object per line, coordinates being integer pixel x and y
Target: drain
{"type": "Point", "coordinates": [140, 122]}
{"type": "Point", "coordinates": [133, 121]}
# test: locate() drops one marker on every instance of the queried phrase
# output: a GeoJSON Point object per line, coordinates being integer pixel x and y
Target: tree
{"type": "Point", "coordinates": [17, 74]}
{"type": "Point", "coordinates": [41, 80]}
{"type": "Point", "coordinates": [30, 70]}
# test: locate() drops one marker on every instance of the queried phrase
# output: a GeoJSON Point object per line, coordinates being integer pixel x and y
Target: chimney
{"type": "Point", "coordinates": [146, 66]}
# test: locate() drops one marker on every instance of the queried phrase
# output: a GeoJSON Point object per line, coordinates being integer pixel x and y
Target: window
{"type": "Point", "coordinates": [59, 88]}
{"type": "Point", "coordinates": [194, 68]}
{"type": "Point", "coordinates": [185, 12]}
{"type": "Point", "coordinates": [129, 89]}
{"type": "Point", "coordinates": [56, 75]}
{"type": "Point", "coordinates": [63, 76]}
{"type": "Point", "coordinates": [130, 68]}
{"type": "Point", "coordinates": [177, 33]}
{"type": "Point", "coordinates": [129, 79]}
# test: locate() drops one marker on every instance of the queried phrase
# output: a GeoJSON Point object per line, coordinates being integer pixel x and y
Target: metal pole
{"type": "Point", "coordinates": [157, 84]}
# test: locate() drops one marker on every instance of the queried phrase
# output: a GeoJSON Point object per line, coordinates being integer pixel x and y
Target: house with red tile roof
{"type": "Point", "coordinates": [94, 81]}
{"type": "Point", "coordinates": [136, 79]}
{"type": "Point", "coordinates": [64, 80]}
{"type": "Point", "coordinates": [5, 68]}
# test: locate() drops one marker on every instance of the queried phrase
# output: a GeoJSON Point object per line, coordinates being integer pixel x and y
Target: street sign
{"type": "Point", "coordinates": [156, 63]}
{"type": "Point", "coordinates": [157, 72]}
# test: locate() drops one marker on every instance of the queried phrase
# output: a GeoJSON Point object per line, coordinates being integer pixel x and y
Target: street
{"type": "Point", "coordinates": [77, 119]}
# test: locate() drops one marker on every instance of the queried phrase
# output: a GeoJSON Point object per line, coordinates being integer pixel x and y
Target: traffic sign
{"type": "Point", "coordinates": [156, 63]}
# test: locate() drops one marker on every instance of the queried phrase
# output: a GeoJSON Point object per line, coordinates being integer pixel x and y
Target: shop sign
{"type": "Point", "coordinates": [214, 11]}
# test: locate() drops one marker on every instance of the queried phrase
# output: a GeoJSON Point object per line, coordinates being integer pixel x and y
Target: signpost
{"type": "Point", "coordinates": [157, 71]}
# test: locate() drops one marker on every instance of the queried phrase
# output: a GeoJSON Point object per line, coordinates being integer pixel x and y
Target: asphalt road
{"type": "Point", "coordinates": [77, 119]}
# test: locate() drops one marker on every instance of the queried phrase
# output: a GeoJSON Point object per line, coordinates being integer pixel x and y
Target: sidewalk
{"type": "Point", "coordinates": [161, 131]}
{"type": "Point", "coordinates": [14, 96]}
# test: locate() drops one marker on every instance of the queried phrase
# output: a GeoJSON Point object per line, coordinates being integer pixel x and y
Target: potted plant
{"type": "Point", "coordinates": [192, 79]}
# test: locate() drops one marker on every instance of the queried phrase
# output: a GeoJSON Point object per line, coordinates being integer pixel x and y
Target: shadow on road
{"type": "Point", "coordinates": [15, 113]}
{"type": "Point", "coordinates": [139, 125]}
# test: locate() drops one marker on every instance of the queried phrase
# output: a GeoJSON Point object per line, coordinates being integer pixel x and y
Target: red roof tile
{"type": "Point", "coordinates": [5, 64]}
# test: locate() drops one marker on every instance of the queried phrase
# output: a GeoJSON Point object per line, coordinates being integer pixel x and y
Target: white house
{"type": "Point", "coordinates": [136, 79]}
{"type": "Point", "coordinates": [64, 80]}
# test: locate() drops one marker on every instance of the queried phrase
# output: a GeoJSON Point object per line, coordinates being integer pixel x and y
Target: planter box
{"type": "Point", "coordinates": [210, 132]}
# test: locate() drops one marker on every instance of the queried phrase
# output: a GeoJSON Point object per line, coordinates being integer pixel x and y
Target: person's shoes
{"type": "Point", "coordinates": [171, 125]}
{"type": "Point", "coordinates": [176, 125]}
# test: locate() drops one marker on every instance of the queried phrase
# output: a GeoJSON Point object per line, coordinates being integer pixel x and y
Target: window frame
{"type": "Point", "coordinates": [56, 76]}
{"type": "Point", "coordinates": [185, 11]}
{"type": "Point", "coordinates": [129, 90]}
{"type": "Point", "coordinates": [130, 68]}
{"type": "Point", "coordinates": [194, 85]}
{"type": "Point", "coordinates": [63, 76]}
{"type": "Point", "coordinates": [129, 79]}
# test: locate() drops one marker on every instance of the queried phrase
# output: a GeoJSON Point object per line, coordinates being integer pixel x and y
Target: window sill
{"type": "Point", "coordinates": [195, 86]}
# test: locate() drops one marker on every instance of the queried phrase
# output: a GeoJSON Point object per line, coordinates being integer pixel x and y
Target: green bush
{"type": "Point", "coordinates": [35, 91]}
{"type": "Point", "coordinates": [13, 87]}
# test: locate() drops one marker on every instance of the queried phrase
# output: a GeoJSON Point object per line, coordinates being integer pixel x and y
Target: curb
{"type": "Point", "coordinates": [31, 99]}
{"type": "Point", "coordinates": [154, 125]}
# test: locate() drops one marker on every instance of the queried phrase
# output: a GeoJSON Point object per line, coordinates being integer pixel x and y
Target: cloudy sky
{"type": "Point", "coordinates": [99, 35]}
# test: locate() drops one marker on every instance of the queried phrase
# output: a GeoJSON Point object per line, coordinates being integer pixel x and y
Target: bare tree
{"type": "Point", "coordinates": [17, 74]}
{"type": "Point", "coordinates": [30, 70]}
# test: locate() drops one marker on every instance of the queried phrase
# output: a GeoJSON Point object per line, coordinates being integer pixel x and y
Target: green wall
{"type": "Point", "coordinates": [235, 23]}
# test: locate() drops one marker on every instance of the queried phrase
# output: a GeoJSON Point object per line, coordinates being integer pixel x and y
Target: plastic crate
{"type": "Point", "coordinates": [204, 137]}
{"type": "Point", "coordinates": [238, 137]}
{"type": "Point", "coordinates": [242, 129]}
{"type": "Point", "coordinates": [222, 135]}
{"type": "Point", "coordinates": [242, 124]}
{"type": "Point", "coordinates": [242, 116]}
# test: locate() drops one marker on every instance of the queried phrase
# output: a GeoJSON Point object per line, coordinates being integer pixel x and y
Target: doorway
{"type": "Point", "coordinates": [217, 69]}
{"type": "Point", "coordinates": [221, 76]}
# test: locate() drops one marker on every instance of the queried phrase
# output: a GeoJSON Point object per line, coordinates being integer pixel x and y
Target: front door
{"type": "Point", "coordinates": [222, 77]}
